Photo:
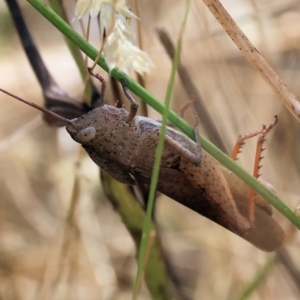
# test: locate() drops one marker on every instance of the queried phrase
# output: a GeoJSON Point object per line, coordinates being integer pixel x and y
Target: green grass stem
{"type": "Point", "coordinates": [91, 52]}
{"type": "Point", "coordinates": [145, 243]}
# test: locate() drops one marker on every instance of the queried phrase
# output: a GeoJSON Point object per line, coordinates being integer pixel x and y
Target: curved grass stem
{"type": "Point", "coordinates": [90, 51]}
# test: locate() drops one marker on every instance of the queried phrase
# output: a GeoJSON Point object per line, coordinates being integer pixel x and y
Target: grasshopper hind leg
{"type": "Point", "coordinates": [258, 157]}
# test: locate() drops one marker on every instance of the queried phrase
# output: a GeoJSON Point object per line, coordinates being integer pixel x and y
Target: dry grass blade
{"type": "Point", "coordinates": [289, 264]}
{"type": "Point", "coordinates": [100, 262]}
{"type": "Point", "coordinates": [192, 92]}
{"type": "Point", "coordinates": [254, 57]}
{"type": "Point", "coordinates": [20, 133]}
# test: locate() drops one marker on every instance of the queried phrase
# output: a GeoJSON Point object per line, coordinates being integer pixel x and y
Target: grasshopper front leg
{"type": "Point", "coordinates": [133, 104]}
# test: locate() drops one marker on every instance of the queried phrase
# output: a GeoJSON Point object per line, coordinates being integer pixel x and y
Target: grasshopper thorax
{"type": "Point", "coordinates": [96, 124]}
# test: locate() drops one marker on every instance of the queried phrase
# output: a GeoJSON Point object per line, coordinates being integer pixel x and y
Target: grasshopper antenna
{"type": "Point", "coordinates": [42, 109]}
{"type": "Point", "coordinates": [55, 99]}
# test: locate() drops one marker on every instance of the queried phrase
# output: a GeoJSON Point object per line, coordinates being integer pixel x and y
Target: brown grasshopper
{"type": "Point", "coordinates": [123, 145]}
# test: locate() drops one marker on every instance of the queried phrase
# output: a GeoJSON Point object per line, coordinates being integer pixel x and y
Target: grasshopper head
{"type": "Point", "coordinates": [95, 124]}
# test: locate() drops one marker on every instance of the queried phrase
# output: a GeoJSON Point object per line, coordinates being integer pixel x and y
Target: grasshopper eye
{"type": "Point", "coordinates": [85, 134]}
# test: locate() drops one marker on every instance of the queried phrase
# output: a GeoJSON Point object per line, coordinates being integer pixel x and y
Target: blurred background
{"type": "Point", "coordinates": [37, 163]}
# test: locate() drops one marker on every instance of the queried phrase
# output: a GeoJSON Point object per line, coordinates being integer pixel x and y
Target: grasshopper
{"type": "Point", "coordinates": [123, 145]}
